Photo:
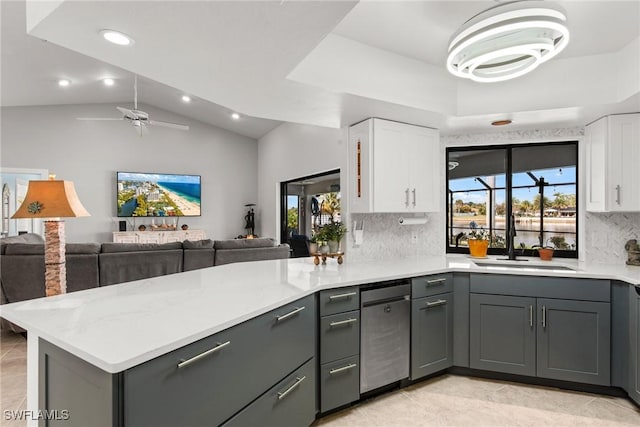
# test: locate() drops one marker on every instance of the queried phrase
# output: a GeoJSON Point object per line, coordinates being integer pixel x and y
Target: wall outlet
{"type": "Point", "coordinates": [414, 237]}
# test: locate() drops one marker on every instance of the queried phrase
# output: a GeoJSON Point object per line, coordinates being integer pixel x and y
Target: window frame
{"type": "Point", "coordinates": [508, 188]}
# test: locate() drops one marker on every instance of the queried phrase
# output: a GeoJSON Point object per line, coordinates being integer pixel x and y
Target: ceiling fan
{"type": "Point", "coordinates": [139, 119]}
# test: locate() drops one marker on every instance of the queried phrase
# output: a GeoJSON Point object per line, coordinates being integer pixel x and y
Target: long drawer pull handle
{"type": "Point", "coordinates": [414, 197]}
{"type": "Point", "coordinates": [618, 194]}
{"type": "Point", "coordinates": [544, 316]}
{"type": "Point", "coordinates": [344, 368]}
{"type": "Point", "coordinates": [436, 282]}
{"type": "Point", "coordinates": [343, 322]}
{"type": "Point", "coordinates": [218, 347]}
{"type": "Point", "coordinates": [283, 394]}
{"type": "Point", "coordinates": [286, 316]}
{"type": "Point", "coordinates": [531, 316]}
{"type": "Point", "coordinates": [347, 295]}
{"type": "Point", "coordinates": [435, 303]}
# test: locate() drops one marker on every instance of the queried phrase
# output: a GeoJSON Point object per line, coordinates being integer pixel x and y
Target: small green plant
{"type": "Point", "coordinates": [557, 242]}
{"type": "Point", "coordinates": [334, 231]}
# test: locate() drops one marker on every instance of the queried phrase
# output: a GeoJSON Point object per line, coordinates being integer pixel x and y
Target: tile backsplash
{"type": "Point", "coordinates": [606, 235]}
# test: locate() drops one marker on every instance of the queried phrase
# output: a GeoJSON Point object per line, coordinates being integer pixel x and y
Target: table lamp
{"type": "Point", "coordinates": [52, 200]}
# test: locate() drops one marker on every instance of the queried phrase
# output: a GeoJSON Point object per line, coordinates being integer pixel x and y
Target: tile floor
{"type": "Point", "coordinates": [448, 400]}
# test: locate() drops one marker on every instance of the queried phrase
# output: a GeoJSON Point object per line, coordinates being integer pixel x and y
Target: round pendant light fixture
{"type": "Point", "coordinates": [508, 41]}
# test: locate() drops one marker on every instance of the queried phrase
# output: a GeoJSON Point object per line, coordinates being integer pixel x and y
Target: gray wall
{"type": "Point", "coordinates": [90, 152]}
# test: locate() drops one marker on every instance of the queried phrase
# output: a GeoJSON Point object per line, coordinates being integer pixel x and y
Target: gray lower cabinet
{"type": "Point", "coordinates": [339, 383]}
{"type": "Point", "coordinates": [549, 338]}
{"type": "Point", "coordinates": [573, 340]}
{"type": "Point", "coordinates": [291, 402]}
{"type": "Point", "coordinates": [502, 334]}
{"type": "Point", "coordinates": [201, 384]}
{"type": "Point", "coordinates": [431, 334]}
{"type": "Point", "coordinates": [634, 344]}
{"type": "Point", "coordinates": [339, 333]}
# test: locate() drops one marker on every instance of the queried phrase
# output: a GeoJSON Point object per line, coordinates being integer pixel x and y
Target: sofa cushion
{"type": "Point", "coordinates": [138, 247]}
{"type": "Point", "coordinates": [198, 244]}
{"type": "Point", "coordinates": [228, 256]}
{"type": "Point", "coordinates": [38, 248]}
{"type": "Point", "coordinates": [245, 243]}
{"type": "Point", "coordinates": [22, 238]}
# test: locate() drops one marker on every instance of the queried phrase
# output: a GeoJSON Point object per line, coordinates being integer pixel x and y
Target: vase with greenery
{"type": "Point", "coordinates": [313, 243]}
{"type": "Point", "coordinates": [335, 231]}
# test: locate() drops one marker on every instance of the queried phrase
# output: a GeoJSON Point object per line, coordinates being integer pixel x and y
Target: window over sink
{"type": "Point", "coordinates": [537, 183]}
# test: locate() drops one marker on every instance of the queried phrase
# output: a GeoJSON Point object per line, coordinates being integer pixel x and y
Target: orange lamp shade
{"type": "Point", "coordinates": [51, 199]}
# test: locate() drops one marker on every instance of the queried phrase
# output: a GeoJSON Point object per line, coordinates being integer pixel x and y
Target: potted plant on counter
{"type": "Point", "coordinates": [478, 240]}
{"type": "Point", "coordinates": [335, 231]}
{"type": "Point", "coordinates": [313, 243]}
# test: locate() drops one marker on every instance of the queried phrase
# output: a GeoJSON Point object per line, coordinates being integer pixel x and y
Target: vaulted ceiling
{"type": "Point", "coordinates": [313, 62]}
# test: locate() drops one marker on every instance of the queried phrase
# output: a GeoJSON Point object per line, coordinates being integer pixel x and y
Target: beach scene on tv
{"type": "Point", "coordinates": [158, 195]}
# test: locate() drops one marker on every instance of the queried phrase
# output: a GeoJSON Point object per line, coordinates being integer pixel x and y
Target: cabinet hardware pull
{"type": "Point", "coordinates": [435, 303]}
{"type": "Point", "coordinates": [218, 347]}
{"type": "Point", "coordinates": [406, 197]}
{"type": "Point", "coordinates": [414, 197]}
{"type": "Point", "coordinates": [343, 322]}
{"type": "Point", "coordinates": [544, 316]}
{"type": "Point", "coordinates": [286, 316]}
{"type": "Point", "coordinates": [436, 282]}
{"type": "Point", "coordinates": [344, 368]}
{"type": "Point", "coordinates": [531, 316]}
{"type": "Point", "coordinates": [618, 194]}
{"type": "Point", "coordinates": [347, 295]}
{"type": "Point", "coordinates": [283, 394]}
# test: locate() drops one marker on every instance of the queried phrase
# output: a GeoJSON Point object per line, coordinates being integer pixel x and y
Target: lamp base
{"type": "Point", "coordinates": [55, 275]}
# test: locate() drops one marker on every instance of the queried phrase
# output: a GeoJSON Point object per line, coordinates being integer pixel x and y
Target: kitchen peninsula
{"type": "Point", "coordinates": [112, 332]}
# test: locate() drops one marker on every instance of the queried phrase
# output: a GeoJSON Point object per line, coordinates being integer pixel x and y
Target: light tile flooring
{"type": "Point", "coordinates": [448, 400]}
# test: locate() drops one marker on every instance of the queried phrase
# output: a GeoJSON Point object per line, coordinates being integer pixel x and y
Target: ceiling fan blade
{"type": "Point", "coordinates": [99, 118]}
{"type": "Point", "coordinates": [126, 112]}
{"type": "Point", "coordinates": [168, 125]}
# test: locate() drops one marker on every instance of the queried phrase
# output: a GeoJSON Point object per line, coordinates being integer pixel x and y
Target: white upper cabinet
{"type": "Point", "coordinates": [394, 167]}
{"type": "Point", "coordinates": [612, 147]}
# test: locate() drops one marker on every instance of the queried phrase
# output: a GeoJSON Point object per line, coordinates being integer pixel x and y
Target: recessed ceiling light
{"type": "Point", "coordinates": [64, 82]}
{"type": "Point", "coordinates": [108, 82]}
{"type": "Point", "coordinates": [117, 37]}
{"type": "Point", "coordinates": [235, 116]}
{"type": "Point", "coordinates": [186, 98]}
{"type": "Point", "coordinates": [501, 122]}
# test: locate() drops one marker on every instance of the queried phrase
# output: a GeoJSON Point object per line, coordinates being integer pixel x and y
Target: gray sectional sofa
{"type": "Point", "coordinates": [90, 265]}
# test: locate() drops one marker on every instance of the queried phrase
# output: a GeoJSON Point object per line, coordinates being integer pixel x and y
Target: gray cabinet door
{"type": "Point", "coordinates": [291, 402]}
{"type": "Point", "coordinates": [574, 341]}
{"type": "Point", "coordinates": [634, 344]}
{"type": "Point", "coordinates": [502, 334]}
{"type": "Point", "coordinates": [339, 336]}
{"type": "Point", "coordinates": [431, 334]}
{"type": "Point", "coordinates": [339, 383]}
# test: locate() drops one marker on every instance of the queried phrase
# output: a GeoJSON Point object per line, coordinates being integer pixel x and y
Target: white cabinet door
{"type": "Point", "coordinates": [596, 171]}
{"type": "Point", "coordinates": [391, 187]}
{"type": "Point", "coordinates": [394, 167]}
{"type": "Point", "coordinates": [624, 161]}
{"type": "Point", "coordinates": [612, 147]}
{"type": "Point", "coordinates": [423, 148]}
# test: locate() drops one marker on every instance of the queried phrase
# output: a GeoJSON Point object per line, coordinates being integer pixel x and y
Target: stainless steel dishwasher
{"type": "Point", "coordinates": [384, 334]}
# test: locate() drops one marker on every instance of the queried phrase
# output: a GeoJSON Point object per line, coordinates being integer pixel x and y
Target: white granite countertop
{"type": "Point", "coordinates": [120, 326]}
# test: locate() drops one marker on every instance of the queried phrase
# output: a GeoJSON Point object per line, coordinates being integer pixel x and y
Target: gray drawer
{"type": "Point", "coordinates": [431, 285]}
{"type": "Point", "coordinates": [339, 383]}
{"type": "Point", "coordinates": [339, 300]}
{"type": "Point", "coordinates": [212, 388]}
{"type": "Point", "coordinates": [291, 402]}
{"type": "Point", "coordinates": [339, 336]}
{"type": "Point", "coordinates": [541, 287]}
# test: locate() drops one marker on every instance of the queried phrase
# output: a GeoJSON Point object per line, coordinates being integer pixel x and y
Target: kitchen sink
{"type": "Point", "coordinates": [528, 267]}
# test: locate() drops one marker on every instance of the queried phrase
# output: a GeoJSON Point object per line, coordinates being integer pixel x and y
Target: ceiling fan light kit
{"type": "Point", "coordinates": [507, 41]}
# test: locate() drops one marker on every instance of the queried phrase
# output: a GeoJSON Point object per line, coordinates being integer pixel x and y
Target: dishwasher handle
{"type": "Point", "coordinates": [386, 300]}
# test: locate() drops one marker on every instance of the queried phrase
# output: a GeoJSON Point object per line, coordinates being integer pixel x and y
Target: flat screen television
{"type": "Point", "coordinates": [158, 195]}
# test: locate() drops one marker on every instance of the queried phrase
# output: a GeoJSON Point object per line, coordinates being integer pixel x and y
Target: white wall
{"type": "Point", "coordinates": [292, 151]}
{"type": "Point", "coordinates": [90, 152]}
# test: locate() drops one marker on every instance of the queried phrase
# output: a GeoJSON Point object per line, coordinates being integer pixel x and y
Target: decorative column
{"type": "Point", "coordinates": [54, 258]}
